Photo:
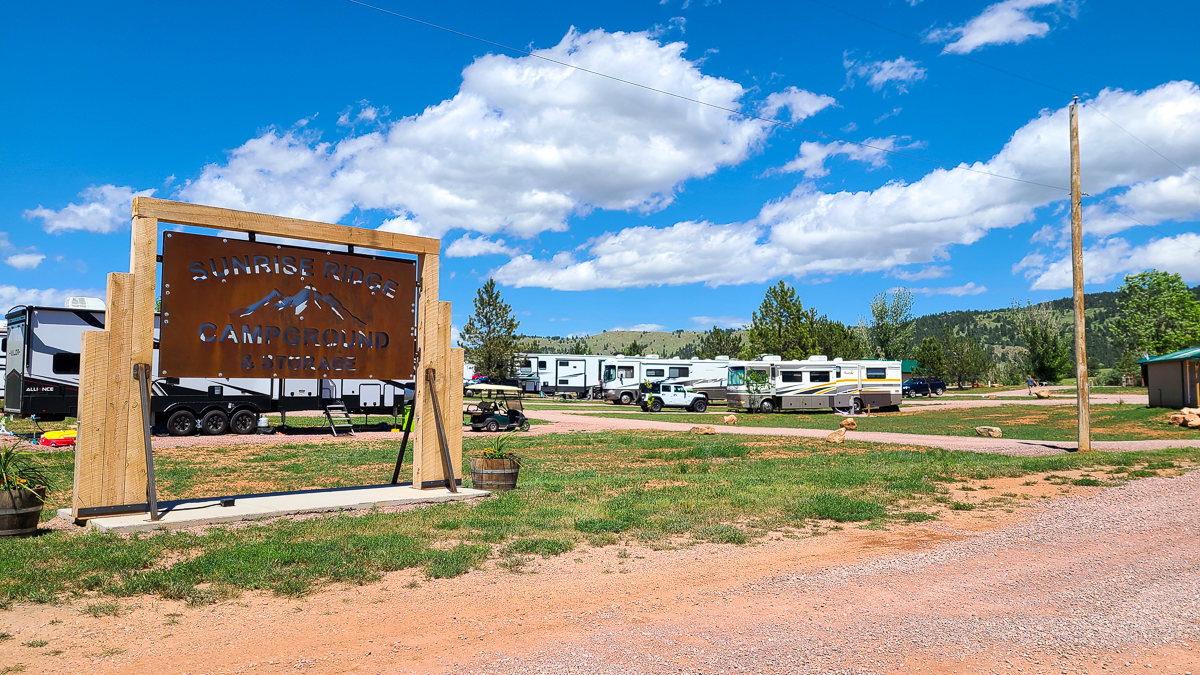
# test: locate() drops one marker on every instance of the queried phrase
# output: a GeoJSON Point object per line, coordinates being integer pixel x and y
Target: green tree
{"type": "Point", "coordinates": [781, 325]}
{"type": "Point", "coordinates": [965, 357]}
{"type": "Point", "coordinates": [633, 349]}
{"type": "Point", "coordinates": [835, 339]}
{"type": "Point", "coordinates": [1156, 314]}
{"type": "Point", "coordinates": [1047, 347]}
{"type": "Point", "coordinates": [580, 347]}
{"type": "Point", "coordinates": [931, 361]}
{"type": "Point", "coordinates": [490, 334]}
{"type": "Point", "coordinates": [720, 342]}
{"type": "Point", "coordinates": [890, 333]}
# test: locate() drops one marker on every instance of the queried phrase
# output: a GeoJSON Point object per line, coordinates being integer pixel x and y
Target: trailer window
{"type": "Point", "coordinates": [542, 364]}
{"type": "Point", "coordinates": [876, 373]}
{"type": "Point", "coordinates": [677, 372]}
{"type": "Point", "coordinates": [654, 372]}
{"type": "Point", "coordinates": [526, 364]}
{"type": "Point", "coordinates": [564, 382]}
{"type": "Point", "coordinates": [65, 363]}
{"type": "Point", "coordinates": [563, 364]}
{"type": "Point", "coordinates": [735, 377]}
{"type": "Point", "coordinates": [625, 371]}
{"type": "Point", "coordinates": [793, 376]}
{"type": "Point", "coordinates": [818, 376]}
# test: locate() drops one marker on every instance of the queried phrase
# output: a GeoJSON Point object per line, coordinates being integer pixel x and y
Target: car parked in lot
{"type": "Point", "coordinates": [657, 396]}
{"type": "Point", "coordinates": [922, 386]}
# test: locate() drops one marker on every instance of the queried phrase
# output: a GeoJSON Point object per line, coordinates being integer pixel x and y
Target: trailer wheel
{"type": "Point", "coordinates": [214, 423]}
{"type": "Point", "coordinates": [244, 422]}
{"type": "Point", "coordinates": [626, 398]}
{"type": "Point", "coordinates": [699, 406]}
{"type": "Point", "coordinates": [181, 423]}
{"type": "Point", "coordinates": [856, 406]}
{"type": "Point", "coordinates": [767, 406]}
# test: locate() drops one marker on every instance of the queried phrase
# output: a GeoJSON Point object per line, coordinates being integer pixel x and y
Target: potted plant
{"type": "Point", "coordinates": [495, 469]}
{"type": "Point", "coordinates": [23, 487]}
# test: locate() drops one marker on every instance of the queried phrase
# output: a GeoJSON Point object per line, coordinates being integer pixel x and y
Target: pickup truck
{"type": "Point", "coordinates": [657, 396]}
{"type": "Point", "coordinates": [922, 386]}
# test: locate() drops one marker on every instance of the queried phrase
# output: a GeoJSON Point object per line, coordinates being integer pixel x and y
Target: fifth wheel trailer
{"type": "Point", "coordinates": [577, 374]}
{"type": "Point", "coordinates": [623, 374]}
{"type": "Point", "coordinates": [42, 380]}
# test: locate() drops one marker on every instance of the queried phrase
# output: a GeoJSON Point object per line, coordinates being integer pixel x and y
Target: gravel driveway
{"type": "Point", "coordinates": [563, 421]}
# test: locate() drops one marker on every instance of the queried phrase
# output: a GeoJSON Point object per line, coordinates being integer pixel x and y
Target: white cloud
{"type": "Point", "coordinates": [811, 159]}
{"type": "Point", "coordinates": [11, 296]}
{"type": "Point", "coordinates": [720, 321]}
{"type": "Point", "coordinates": [467, 246]}
{"type": "Point", "coordinates": [641, 327]}
{"type": "Point", "coordinates": [1115, 257]}
{"type": "Point", "coordinates": [521, 147]}
{"type": "Point", "coordinates": [811, 232]}
{"type": "Point", "coordinates": [968, 288]}
{"type": "Point", "coordinates": [1030, 264]}
{"type": "Point", "coordinates": [884, 116]}
{"type": "Point", "coordinates": [800, 103]}
{"type": "Point", "coordinates": [105, 209]}
{"type": "Point", "coordinates": [930, 272]}
{"type": "Point", "coordinates": [25, 261]}
{"type": "Point", "coordinates": [1008, 22]}
{"type": "Point", "coordinates": [899, 72]}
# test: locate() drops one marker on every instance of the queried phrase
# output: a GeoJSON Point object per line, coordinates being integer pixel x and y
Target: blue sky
{"type": "Point", "coordinates": [598, 205]}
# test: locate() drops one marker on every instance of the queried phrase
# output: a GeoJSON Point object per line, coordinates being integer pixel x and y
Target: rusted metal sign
{"type": "Point", "coordinates": [236, 308]}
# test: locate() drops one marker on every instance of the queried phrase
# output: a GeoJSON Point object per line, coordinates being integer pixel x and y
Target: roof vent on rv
{"type": "Point", "coordinates": [94, 304]}
{"type": "Point", "coordinates": [652, 356]}
{"type": "Point", "coordinates": [720, 358]}
{"type": "Point", "coordinates": [837, 359]}
{"type": "Point", "coordinates": [769, 357]}
{"type": "Point", "coordinates": [818, 357]}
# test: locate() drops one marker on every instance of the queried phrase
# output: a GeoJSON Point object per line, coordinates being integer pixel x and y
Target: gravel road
{"type": "Point", "coordinates": [1109, 582]}
{"type": "Point", "coordinates": [562, 421]}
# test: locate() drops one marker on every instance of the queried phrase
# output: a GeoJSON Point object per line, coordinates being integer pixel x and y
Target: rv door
{"type": "Point", "coordinates": [14, 376]}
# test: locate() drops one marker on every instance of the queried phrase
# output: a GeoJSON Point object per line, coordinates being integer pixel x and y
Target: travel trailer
{"type": "Point", "coordinates": [769, 384]}
{"type": "Point", "coordinates": [623, 374]}
{"type": "Point", "coordinates": [577, 374]}
{"type": "Point", "coordinates": [42, 380]}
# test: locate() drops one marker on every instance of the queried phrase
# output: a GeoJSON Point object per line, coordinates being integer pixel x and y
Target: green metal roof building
{"type": "Point", "coordinates": [1173, 380]}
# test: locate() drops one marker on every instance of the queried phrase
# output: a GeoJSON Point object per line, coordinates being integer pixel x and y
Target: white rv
{"type": "Point", "coordinates": [623, 374]}
{"type": "Point", "coordinates": [577, 374]}
{"type": "Point", "coordinates": [771, 384]}
{"type": "Point", "coordinates": [42, 380]}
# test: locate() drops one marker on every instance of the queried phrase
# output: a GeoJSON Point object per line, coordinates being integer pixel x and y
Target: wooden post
{"type": "Point", "coordinates": [1081, 370]}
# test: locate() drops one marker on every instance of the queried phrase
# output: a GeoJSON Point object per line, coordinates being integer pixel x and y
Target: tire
{"type": "Point", "coordinates": [856, 406]}
{"type": "Point", "coordinates": [699, 406]}
{"type": "Point", "coordinates": [939, 391]}
{"type": "Point", "coordinates": [244, 422]}
{"type": "Point", "coordinates": [525, 425]}
{"type": "Point", "coordinates": [214, 423]}
{"type": "Point", "coordinates": [656, 405]}
{"type": "Point", "coordinates": [492, 425]}
{"type": "Point", "coordinates": [626, 398]}
{"type": "Point", "coordinates": [645, 408]}
{"type": "Point", "coordinates": [767, 406]}
{"type": "Point", "coordinates": [181, 423]}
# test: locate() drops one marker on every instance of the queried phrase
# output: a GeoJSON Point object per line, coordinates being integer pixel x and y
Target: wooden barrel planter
{"type": "Point", "coordinates": [20, 511]}
{"type": "Point", "coordinates": [496, 475]}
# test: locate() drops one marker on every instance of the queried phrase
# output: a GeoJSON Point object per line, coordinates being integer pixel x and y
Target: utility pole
{"type": "Point", "coordinates": [1081, 371]}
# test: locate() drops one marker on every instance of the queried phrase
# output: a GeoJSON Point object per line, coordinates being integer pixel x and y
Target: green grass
{"type": "Point", "coordinates": [1039, 423]}
{"type": "Point", "coordinates": [660, 489]}
{"type": "Point", "coordinates": [1128, 391]}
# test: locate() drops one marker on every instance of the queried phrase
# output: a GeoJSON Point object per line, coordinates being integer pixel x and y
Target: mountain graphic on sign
{"type": "Point", "coordinates": [307, 302]}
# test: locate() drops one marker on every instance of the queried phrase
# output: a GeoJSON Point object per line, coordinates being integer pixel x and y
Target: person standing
{"type": "Point", "coordinates": [1029, 383]}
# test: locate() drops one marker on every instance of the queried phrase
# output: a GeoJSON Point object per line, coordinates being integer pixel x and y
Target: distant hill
{"type": "Point", "coordinates": [994, 327]}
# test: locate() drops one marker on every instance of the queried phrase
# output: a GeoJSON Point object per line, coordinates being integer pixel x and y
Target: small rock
{"type": "Point", "coordinates": [989, 432]}
{"type": "Point", "coordinates": [849, 424]}
{"type": "Point", "coordinates": [838, 436]}
{"type": "Point", "coordinates": [1194, 422]}
{"type": "Point", "coordinates": [729, 420]}
{"type": "Point", "coordinates": [703, 429]}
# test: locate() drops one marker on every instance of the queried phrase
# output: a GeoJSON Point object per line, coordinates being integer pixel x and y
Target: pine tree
{"type": "Point", "coordinates": [720, 342]}
{"type": "Point", "coordinates": [782, 326]}
{"type": "Point", "coordinates": [931, 361]}
{"type": "Point", "coordinates": [490, 334]}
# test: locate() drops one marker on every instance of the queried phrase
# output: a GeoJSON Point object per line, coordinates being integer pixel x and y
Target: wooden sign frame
{"type": "Point", "coordinates": [110, 461]}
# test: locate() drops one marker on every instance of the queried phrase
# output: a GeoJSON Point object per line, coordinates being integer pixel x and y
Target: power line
{"type": "Point", "coordinates": [1006, 72]}
{"type": "Point", "coordinates": [746, 115]}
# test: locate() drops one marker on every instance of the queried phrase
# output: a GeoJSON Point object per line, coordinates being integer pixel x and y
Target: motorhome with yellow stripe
{"type": "Point", "coordinates": [769, 383]}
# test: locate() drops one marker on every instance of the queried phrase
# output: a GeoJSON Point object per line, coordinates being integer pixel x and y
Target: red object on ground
{"type": "Point", "coordinates": [56, 442]}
